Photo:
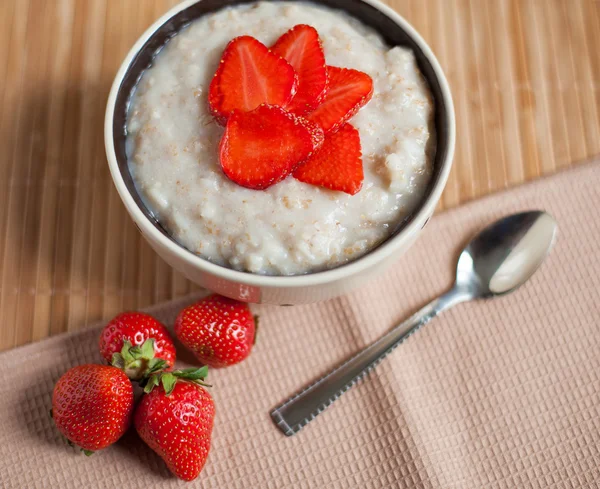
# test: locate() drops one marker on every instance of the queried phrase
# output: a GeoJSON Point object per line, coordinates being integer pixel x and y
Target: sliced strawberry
{"type": "Point", "coordinates": [348, 91]}
{"type": "Point", "coordinates": [262, 147]}
{"type": "Point", "coordinates": [249, 75]}
{"type": "Point", "coordinates": [301, 47]}
{"type": "Point", "coordinates": [337, 165]}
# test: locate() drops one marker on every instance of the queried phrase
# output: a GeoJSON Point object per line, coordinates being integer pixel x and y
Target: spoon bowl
{"type": "Point", "coordinates": [503, 256]}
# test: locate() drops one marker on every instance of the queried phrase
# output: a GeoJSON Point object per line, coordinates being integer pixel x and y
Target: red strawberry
{"type": "Point", "coordinates": [301, 47]}
{"type": "Point", "coordinates": [175, 418]}
{"type": "Point", "coordinates": [349, 90]}
{"type": "Point", "coordinates": [92, 406]}
{"type": "Point", "coordinates": [337, 165]}
{"type": "Point", "coordinates": [137, 343]}
{"type": "Point", "coordinates": [262, 147]}
{"type": "Point", "coordinates": [249, 75]}
{"type": "Point", "coordinates": [220, 331]}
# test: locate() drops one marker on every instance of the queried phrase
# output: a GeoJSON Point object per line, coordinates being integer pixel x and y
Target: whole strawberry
{"type": "Point", "coordinates": [175, 418]}
{"type": "Point", "coordinates": [92, 406]}
{"type": "Point", "coordinates": [138, 344]}
{"type": "Point", "coordinates": [219, 331]}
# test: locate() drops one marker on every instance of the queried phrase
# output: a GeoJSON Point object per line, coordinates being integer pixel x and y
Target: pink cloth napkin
{"type": "Point", "coordinates": [502, 393]}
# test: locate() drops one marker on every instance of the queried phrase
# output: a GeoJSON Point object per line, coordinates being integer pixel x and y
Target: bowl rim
{"type": "Point", "coordinates": [352, 268]}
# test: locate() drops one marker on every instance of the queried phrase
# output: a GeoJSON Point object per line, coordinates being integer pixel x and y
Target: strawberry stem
{"type": "Point", "coordinates": [168, 380]}
{"type": "Point", "coordinates": [138, 362]}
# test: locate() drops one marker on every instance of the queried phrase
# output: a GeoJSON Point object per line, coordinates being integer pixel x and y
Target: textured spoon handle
{"type": "Point", "coordinates": [302, 408]}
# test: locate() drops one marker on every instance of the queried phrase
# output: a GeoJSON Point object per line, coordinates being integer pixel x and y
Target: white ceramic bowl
{"type": "Point", "coordinates": [281, 290]}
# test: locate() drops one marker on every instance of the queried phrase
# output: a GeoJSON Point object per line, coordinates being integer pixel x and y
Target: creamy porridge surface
{"type": "Point", "coordinates": [292, 227]}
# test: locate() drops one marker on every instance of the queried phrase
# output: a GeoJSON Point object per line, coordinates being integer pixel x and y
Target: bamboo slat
{"type": "Point", "coordinates": [525, 75]}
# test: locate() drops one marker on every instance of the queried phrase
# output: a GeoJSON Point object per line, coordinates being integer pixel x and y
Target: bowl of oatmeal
{"type": "Point", "coordinates": [297, 240]}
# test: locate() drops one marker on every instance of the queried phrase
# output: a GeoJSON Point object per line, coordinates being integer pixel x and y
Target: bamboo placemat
{"type": "Point", "coordinates": [525, 75]}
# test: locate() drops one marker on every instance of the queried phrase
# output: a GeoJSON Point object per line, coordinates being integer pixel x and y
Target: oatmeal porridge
{"type": "Point", "coordinates": [291, 227]}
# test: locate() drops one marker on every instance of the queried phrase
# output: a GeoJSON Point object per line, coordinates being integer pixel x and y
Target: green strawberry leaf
{"type": "Point", "coordinates": [168, 381]}
{"type": "Point", "coordinates": [118, 361]}
{"type": "Point", "coordinates": [188, 370]}
{"type": "Point", "coordinates": [155, 365]}
{"type": "Point", "coordinates": [136, 352]}
{"type": "Point", "coordinates": [153, 381]}
{"type": "Point", "coordinates": [148, 349]}
{"type": "Point", "coordinates": [126, 352]}
{"type": "Point", "coordinates": [192, 373]}
{"type": "Point", "coordinates": [88, 453]}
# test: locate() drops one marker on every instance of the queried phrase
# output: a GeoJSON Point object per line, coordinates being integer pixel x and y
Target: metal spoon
{"type": "Point", "coordinates": [497, 261]}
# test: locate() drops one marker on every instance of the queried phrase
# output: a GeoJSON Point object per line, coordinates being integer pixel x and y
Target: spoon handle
{"type": "Point", "coordinates": [302, 408]}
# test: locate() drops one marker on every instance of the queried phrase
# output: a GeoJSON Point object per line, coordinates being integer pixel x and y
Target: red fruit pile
{"type": "Point", "coordinates": [286, 113]}
{"type": "Point", "coordinates": [93, 405]}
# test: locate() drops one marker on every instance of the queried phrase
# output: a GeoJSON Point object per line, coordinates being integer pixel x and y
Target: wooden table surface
{"type": "Point", "coordinates": [525, 76]}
